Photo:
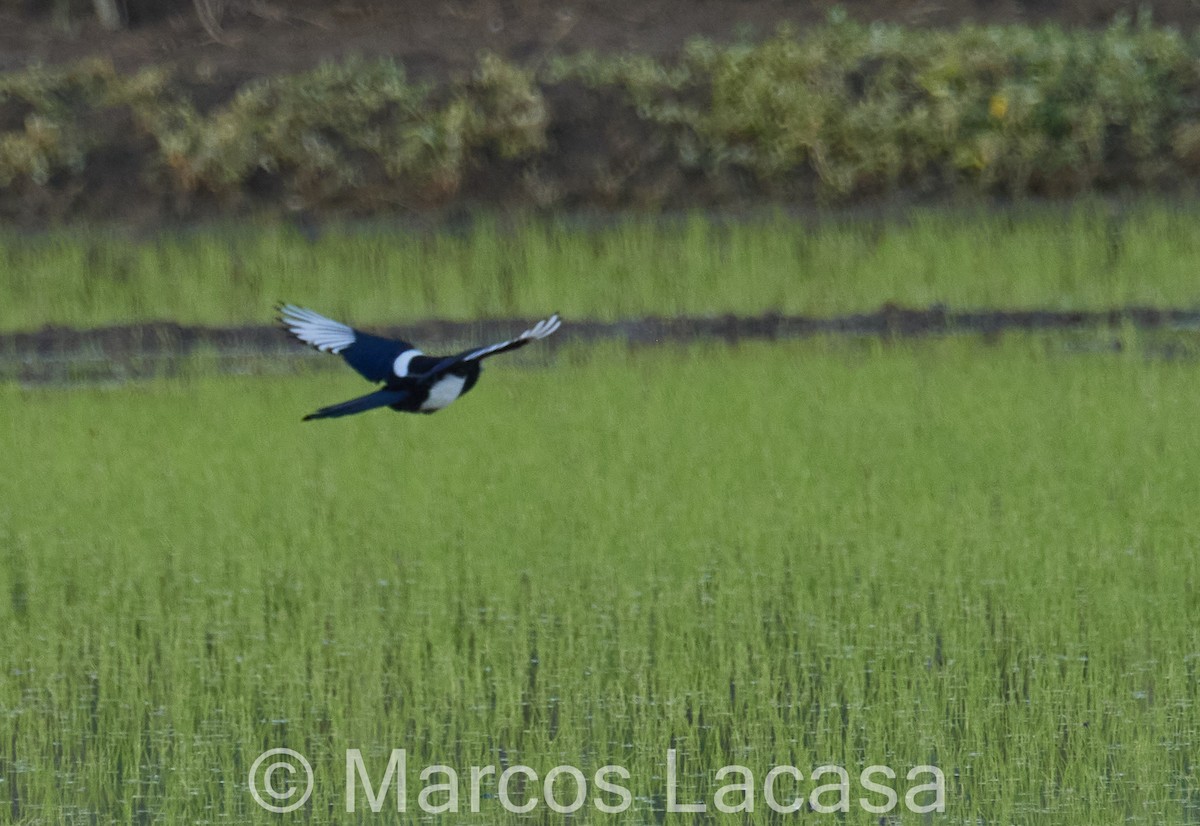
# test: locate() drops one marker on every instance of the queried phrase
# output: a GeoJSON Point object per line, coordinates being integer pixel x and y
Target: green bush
{"type": "Point", "coordinates": [358, 128]}
{"type": "Point", "coordinates": [45, 134]}
{"type": "Point", "coordinates": [875, 107]}
{"type": "Point", "coordinates": [328, 133]}
{"type": "Point", "coordinates": [845, 109]}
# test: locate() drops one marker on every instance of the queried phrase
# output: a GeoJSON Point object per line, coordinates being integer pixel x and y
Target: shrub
{"type": "Point", "coordinates": [846, 108]}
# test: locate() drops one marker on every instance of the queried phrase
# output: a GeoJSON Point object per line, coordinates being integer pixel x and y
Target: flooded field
{"type": "Point", "coordinates": [889, 519]}
{"type": "Point", "coordinates": [979, 557]}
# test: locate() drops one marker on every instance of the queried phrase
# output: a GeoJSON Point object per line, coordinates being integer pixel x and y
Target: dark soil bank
{"type": "Point", "coordinates": [215, 46]}
{"type": "Point", "coordinates": [259, 37]}
{"type": "Point", "coordinates": [69, 355]}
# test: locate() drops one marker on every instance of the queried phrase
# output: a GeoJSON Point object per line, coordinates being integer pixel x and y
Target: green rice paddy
{"type": "Point", "coordinates": [1090, 256]}
{"type": "Point", "coordinates": [977, 557]}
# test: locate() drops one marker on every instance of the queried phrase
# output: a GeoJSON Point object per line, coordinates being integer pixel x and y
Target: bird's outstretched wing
{"type": "Point", "coordinates": [380, 398]}
{"type": "Point", "coordinates": [375, 358]}
{"type": "Point", "coordinates": [538, 331]}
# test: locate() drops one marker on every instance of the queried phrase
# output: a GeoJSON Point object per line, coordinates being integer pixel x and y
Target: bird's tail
{"type": "Point", "coordinates": [380, 398]}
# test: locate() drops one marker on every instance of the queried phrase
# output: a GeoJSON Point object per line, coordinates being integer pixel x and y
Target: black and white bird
{"type": "Point", "coordinates": [412, 381]}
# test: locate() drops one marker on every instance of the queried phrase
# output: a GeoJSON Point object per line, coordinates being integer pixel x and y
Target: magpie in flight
{"type": "Point", "coordinates": [412, 381]}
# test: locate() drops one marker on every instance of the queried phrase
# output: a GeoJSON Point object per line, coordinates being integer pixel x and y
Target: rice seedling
{"type": "Point", "coordinates": [976, 557]}
{"type": "Point", "coordinates": [1088, 256]}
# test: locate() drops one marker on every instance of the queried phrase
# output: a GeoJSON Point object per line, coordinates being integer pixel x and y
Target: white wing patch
{"type": "Point", "coordinates": [401, 364]}
{"type": "Point", "coordinates": [540, 330]}
{"type": "Point", "coordinates": [325, 334]}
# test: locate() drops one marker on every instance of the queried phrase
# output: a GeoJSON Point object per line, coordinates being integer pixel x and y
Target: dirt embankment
{"type": "Point", "coordinates": [56, 355]}
{"type": "Point", "coordinates": [262, 37]}
{"type": "Point", "coordinates": [240, 40]}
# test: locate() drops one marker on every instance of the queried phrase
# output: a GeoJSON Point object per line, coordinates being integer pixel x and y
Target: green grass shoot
{"type": "Point", "coordinates": [981, 557]}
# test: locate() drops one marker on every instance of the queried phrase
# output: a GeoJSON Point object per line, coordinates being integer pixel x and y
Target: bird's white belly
{"type": "Point", "coordinates": [446, 390]}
